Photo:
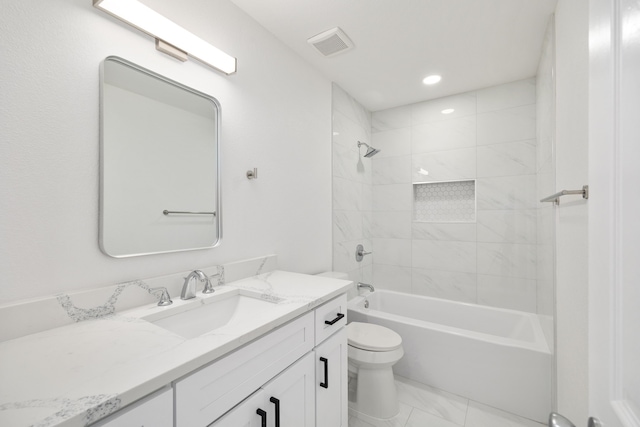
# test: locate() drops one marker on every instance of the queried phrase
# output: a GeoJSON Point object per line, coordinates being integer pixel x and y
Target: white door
{"type": "Point", "coordinates": [614, 212]}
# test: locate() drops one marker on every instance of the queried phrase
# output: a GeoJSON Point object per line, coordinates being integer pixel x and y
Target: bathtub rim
{"type": "Point", "coordinates": [539, 344]}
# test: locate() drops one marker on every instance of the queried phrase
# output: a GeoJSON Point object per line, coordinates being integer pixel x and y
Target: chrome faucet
{"type": "Point", "coordinates": [364, 285]}
{"type": "Point", "coordinates": [189, 287]}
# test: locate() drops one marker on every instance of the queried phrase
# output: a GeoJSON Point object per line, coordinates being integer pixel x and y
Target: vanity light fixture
{"type": "Point", "coordinates": [432, 79]}
{"type": "Point", "coordinates": [171, 38]}
{"type": "Point", "coordinates": [447, 111]}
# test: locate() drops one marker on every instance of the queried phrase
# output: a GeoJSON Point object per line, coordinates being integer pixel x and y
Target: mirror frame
{"type": "Point", "coordinates": [218, 185]}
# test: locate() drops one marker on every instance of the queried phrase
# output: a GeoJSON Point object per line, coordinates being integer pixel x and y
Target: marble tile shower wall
{"type": "Point", "coordinates": [546, 177]}
{"type": "Point", "coordinates": [352, 197]}
{"type": "Point", "coordinates": [490, 137]}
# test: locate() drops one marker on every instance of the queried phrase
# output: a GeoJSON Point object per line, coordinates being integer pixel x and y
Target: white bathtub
{"type": "Point", "coordinates": [494, 356]}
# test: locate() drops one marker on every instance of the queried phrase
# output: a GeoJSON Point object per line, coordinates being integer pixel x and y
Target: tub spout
{"type": "Point", "coordinates": [364, 285]}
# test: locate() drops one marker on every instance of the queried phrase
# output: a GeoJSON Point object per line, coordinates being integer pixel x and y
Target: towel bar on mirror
{"type": "Point", "coordinates": [166, 212]}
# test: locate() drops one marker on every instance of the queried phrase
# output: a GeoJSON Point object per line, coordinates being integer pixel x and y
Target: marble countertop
{"type": "Point", "coordinates": [77, 374]}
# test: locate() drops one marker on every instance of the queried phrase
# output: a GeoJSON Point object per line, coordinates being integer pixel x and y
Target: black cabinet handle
{"type": "Point", "coordinates": [325, 384]}
{"type": "Point", "coordinates": [263, 415]}
{"type": "Point", "coordinates": [331, 322]}
{"type": "Point", "coordinates": [277, 403]}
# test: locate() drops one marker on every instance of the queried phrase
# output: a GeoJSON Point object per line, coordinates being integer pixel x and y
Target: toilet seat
{"type": "Point", "coordinates": [370, 337]}
{"type": "Point", "coordinates": [369, 359]}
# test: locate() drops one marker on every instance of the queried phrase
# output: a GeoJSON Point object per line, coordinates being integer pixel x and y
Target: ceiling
{"type": "Point", "coordinates": [471, 43]}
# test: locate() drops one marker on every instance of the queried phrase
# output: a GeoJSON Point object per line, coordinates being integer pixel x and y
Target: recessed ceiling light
{"type": "Point", "coordinates": [432, 79]}
{"type": "Point", "coordinates": [448, 111]}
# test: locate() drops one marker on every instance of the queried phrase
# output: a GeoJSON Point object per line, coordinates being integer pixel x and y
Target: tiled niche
{"type": "Point", "coordinates": [450, 201]}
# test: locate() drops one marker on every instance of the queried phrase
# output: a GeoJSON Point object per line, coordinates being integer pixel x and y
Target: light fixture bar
{"type": "Point", "coordinates": [151, 22]}
{"type": "Point", "coordinates": [170, 50]}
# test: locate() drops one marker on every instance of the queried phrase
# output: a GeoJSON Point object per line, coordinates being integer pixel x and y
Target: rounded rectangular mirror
{"type": "Point", "coordinates": [160, 179]}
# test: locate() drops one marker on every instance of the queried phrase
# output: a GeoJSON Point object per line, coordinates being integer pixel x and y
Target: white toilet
{"type": "Point", "coordinates": [373, 350]}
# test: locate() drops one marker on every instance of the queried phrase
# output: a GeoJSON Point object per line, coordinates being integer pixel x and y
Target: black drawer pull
{"type": "Point", "coordinates": [331, 322]}
{"type": "Point", "coordinates": [263, 415]}
{"type": "Point", "coordinates": [325, 384]}
{"type": "Point", "coordinates": [277, 403]}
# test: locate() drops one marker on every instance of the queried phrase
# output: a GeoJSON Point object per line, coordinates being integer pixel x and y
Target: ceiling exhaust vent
{"type": "Point", "coordinates": [331, 42]}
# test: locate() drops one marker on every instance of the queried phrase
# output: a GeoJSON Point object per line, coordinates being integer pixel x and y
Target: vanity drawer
{"type": "Point", "coordinates": [207, 394]}
{"type": "Point", "coordinates": [153, 411]}
{"type": "Point", "coordinates": [330, 317]}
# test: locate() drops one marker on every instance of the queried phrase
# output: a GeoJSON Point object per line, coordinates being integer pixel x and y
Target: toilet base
{"type": "Point", "coordinates": [376, 422]}
{"type": "Point", "coordinates": [375, 393]}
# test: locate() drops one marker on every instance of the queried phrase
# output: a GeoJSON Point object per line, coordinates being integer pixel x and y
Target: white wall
{"type": "Point", "coordinates": [275, 116]}
{"type": "Point", "coordinates": [490, 258]}
{"type": "Point", "coordinates": [572, 62]}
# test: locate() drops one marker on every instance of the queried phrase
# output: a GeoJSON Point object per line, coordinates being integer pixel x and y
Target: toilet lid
{"type": "Point", "coordinates": [368, 336]}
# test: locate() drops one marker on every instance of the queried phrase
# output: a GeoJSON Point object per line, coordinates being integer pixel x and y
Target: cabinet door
{"type": "Point", "coordinates": [290, 396]}
{"type": "Point", "coordinates": [331, 381]}
{"type": "Point", "coordinates": [246, 414]}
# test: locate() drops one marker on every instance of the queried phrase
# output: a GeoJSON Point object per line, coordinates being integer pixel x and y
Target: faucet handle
{"type": "Point", "coordinates": [208, 287]}
{"type": "Point", "coordinates": [219, 275]}
{"type": "Point", "coordinates": [165, 298]}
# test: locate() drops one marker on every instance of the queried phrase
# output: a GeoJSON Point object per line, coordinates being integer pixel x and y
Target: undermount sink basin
{"type": "Point", "coordinates": [207, 315]}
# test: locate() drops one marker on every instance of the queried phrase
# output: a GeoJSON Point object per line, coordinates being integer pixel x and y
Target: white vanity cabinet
{"type": "Point", "coordinates": [293, 376]}
{"type": "Point", "coordinates": [331, 364]}
{"type": "Point", "coordinates": [207, 394]}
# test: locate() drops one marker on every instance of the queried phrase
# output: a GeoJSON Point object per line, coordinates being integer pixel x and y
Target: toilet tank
{"type": "Point", "coordinates": [334, 274]}
{"type": "Point", "coordinates": [352, 292]}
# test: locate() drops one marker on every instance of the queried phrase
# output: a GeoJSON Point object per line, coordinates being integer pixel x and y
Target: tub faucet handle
{"type": "Point", "coordinates": [360, 253]}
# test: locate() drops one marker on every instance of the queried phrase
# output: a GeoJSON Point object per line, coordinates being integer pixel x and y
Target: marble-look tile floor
{"type": "Point", "coordinates": [424, 406]}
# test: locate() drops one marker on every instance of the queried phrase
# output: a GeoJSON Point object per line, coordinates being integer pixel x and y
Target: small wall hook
{"type": "Point", "coordinates": [252, 174]}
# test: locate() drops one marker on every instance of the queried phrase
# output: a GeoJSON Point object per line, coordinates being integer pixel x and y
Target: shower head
{"type": "Point", "coordinates": [370, 150]}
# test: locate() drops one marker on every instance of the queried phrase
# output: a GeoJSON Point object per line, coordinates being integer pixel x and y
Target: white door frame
{"type": "Point", "coordinates": [614, 144]}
